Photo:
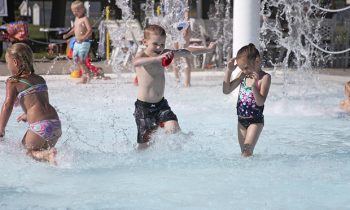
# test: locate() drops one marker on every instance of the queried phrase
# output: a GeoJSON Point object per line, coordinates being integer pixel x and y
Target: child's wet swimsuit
{"type": "Point", "coordinates": [32, 89]}
{"type": "Point", "coordinates": [81, 50]}
{"type": "Point", "coordinates": [149, 116]}
{"type": "Point", "coordinates": [247, 110]}
{"type": "Point", "coordinates": [46, 129]}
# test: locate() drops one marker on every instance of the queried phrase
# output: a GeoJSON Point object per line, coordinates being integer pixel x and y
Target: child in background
{"type": "Point", "coordinates": [82, 31]}
{"type": "Point", "coordinates": [254, 86]}
{"type": "Point", "coordinates": [151, 108]}
{"type": "Point", "coordinates": [96, 72]}
{"type": "Point", "coordinates": [185, 30]}
{"type": "Point", "coordinates": [29, 90]}
{"type": "Point", "coordinates": [345, 104]}
{"type": "Point", "coordinates": [17, 32]}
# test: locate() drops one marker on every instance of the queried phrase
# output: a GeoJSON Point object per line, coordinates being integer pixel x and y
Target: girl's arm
{"type": "Point", "coordinates": [228, 85]}
{"type": "Point", "coordinates": [260, 96]}
{"type": "Point", "coordinates": [7, 107]}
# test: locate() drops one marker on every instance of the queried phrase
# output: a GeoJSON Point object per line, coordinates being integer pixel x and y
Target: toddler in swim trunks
{"type": "Point", "coordinates": [82, 31]}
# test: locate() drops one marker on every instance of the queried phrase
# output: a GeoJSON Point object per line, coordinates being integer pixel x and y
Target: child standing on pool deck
{"type": "Point", "coordinates": [29, 90]}
{"type": "Point", "coordinates": [185, 30]}
{"type": "Point", "coordinates": [82, 31]}
{"type": "Point", "coordinates": [254, 86]}
{"type": "Point", "coordinates": [151, 108]}
{"type": "Point", "coordinates": [345, 104]}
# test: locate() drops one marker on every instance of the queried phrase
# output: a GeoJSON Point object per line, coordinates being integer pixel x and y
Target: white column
{"type": "Point", "coordinates": [199, 9]}
{"type": "Point", "coordinates": [246, 23]}
{"type": "Point", "coordinates": [36, 14]}
{"type": "Point", "coordinates": [3, 8]}
{"type": "Point", "coordinates": [87, 8]}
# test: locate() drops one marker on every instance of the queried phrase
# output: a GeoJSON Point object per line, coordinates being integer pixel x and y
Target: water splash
{"type": "Point", "coordinates": [148, 8]}
{"type": "Point", "coordinates": [220, 27]}
{"type": "Point", "coordinates": [127, 13]}
{"type": "Point", "coordinates": [285, 29]}
{"type": "Point", "coordinates": [123, 40]}
{"type": "Point", "coordinates": [227, 31]}
{"type": "Point", "coordinates": [172, 12]}
{"type": "Point", "coordinates": [67, 67]}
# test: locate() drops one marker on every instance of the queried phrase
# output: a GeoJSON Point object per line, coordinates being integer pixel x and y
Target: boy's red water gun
{"type": "Point", "coordinates": [166, 61]}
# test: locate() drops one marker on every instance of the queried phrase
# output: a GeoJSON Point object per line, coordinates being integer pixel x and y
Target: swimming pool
{"type": "Point", "coordinates": [302, 159]}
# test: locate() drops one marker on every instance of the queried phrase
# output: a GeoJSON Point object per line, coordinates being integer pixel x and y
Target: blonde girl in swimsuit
{"type": "Point", "coordinates": [29, 90]}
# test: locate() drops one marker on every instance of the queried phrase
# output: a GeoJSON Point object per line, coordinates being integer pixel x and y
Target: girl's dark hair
{"type": "Point", "coordinates": [250, 51]}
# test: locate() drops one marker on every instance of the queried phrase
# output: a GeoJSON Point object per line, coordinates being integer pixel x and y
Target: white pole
{"type": "Point", "coordinates": [27, 9]}
{"type": "Point", "coordinates": [246, 23]}
{"type": "Point", "coordinates": [87, 8]}
{"type": "Point", "coordinates": [199, 9]}
{"type": "Point", "coordinates": [3, 8]}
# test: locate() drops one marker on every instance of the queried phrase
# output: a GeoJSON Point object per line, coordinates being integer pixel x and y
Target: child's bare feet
{"type": "Point", "coordinates": [44, 155]}
{"type": "Point", "coordinates": [84, 80]}
{"type": "Point", "coordinates": [52, 156]}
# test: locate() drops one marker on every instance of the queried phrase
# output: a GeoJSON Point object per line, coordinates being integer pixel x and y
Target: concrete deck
{"type": "Point", "coordinates": [61, 67]}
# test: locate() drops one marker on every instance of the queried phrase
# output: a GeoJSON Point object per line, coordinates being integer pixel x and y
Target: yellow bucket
{"type": "Point", "coordinates": [75, 74]}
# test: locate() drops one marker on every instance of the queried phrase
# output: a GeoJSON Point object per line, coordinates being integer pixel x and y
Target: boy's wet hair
{"type": "Point", "coordinates": [250, 51]}
{"type": "Point", "coordinates": [153, 29]}
{"type": "Point", "coordinates": [77, 4]}
{"type": "Point", "coordinates": [23, 53]}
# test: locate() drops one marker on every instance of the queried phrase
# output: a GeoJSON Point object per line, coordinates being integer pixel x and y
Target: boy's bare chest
{"type": "Point", "coordinates": [80, 24]}
{"type": "Point", "coordinates": [155, 70]}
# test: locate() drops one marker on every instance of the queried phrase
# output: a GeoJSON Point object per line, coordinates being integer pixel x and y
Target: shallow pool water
{"type": "Point", "coordinates": [302, 159]}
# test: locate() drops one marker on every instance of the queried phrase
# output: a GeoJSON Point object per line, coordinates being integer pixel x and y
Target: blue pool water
{"type": "Point", "coordinates": [302, 159]}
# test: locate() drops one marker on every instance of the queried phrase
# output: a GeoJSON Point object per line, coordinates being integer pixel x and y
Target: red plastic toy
{"type": "Point", "coordinates": [166, 61]}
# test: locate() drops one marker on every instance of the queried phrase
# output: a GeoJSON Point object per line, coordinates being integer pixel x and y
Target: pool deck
{"type": "Point", "coordinates": [61, 67]}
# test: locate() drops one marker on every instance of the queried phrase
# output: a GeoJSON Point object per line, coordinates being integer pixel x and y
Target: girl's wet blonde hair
{"type": "Point", "coordinates": [22, 53]}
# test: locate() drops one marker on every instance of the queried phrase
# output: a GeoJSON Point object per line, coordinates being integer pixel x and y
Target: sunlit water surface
{"type": "Point", "coordinates": [302, 159]}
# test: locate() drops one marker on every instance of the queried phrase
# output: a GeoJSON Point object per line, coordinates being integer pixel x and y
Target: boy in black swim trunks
{"type": "Point", "coordinates": [151, 109]}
